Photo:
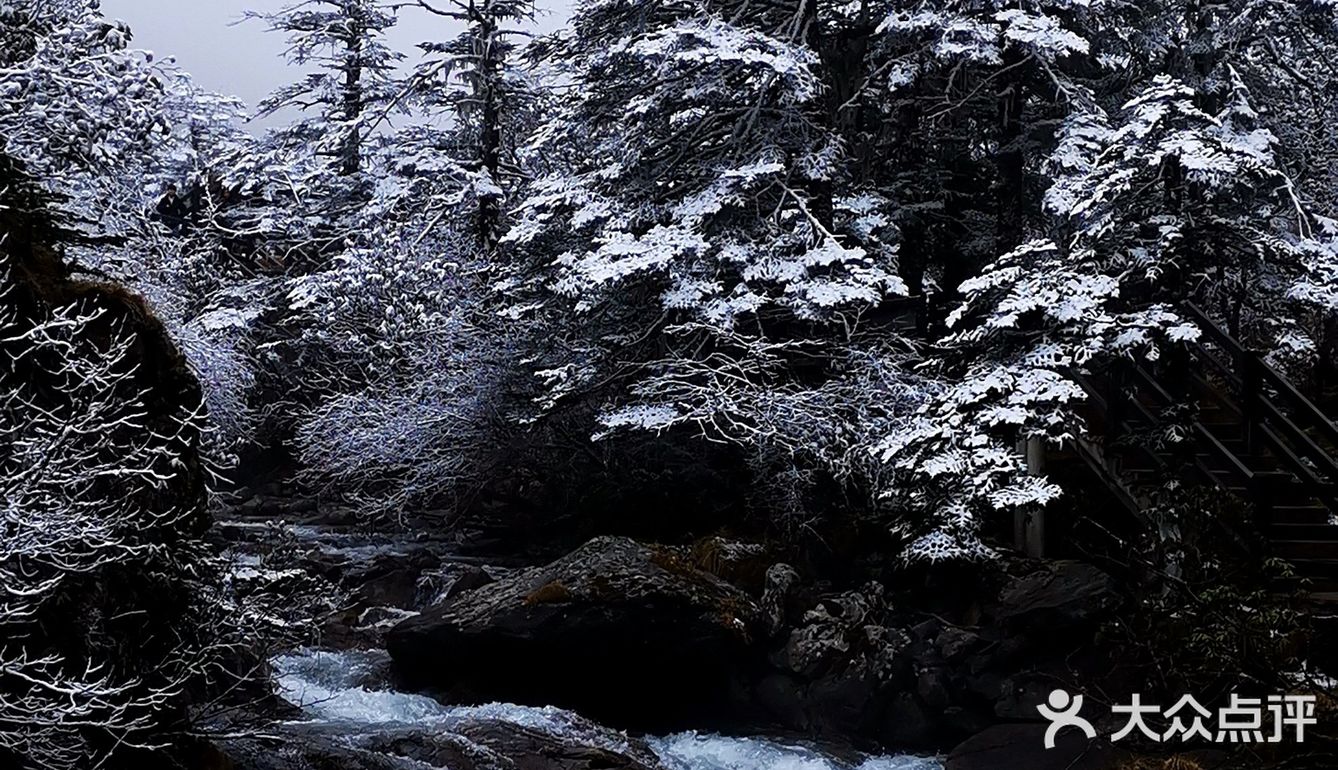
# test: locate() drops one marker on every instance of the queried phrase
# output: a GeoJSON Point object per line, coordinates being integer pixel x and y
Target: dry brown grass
{"type": "Point", "coordinates": [552, 592]}
{"type": "Point", "coordinates": [1177, 762]}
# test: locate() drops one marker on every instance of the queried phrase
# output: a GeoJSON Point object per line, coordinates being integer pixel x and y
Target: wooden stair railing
{"type": "Point", "coordinates": [1255, 434]}
{"type": "Point", "coordinates": [1287, 424]}
{"type": "Point", "coordinates": [1131, 400]}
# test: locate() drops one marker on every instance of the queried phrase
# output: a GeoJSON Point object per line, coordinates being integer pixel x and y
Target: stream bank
{"type": "Point", "coordinates": [682, 644]}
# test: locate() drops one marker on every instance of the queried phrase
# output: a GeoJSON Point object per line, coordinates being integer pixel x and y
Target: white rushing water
{"type": "Point", "coordinates": [333, 688]}
{"type": "Point", "coordinates": [702, 751]}
{"type": "Point", "coordinates": [341, 690]}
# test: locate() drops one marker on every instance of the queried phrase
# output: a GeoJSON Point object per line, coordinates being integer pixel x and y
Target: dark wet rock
{"type": "Point", "coordinates": [840, 630]}
{"type": "Point", "coordinates": [436, 586]}
{"type": "Point", "coordinates": [840, 667]}
{"type": "Point", "coordinates": [494, 744]}
{"type": "Point", "coordinates": [906, 722]}
{"type": "Point", "coordinates": [854, 667]}
{"type": "Point", "coordinates": [843, 704]}
{"type": "Point", "coordinates": [779, 597]}
{"type": "Point", "coordinates": [531, 749]}
{"type": "Point", "coordinates": [932, 687]}
{"type": "Point", "coordinates": [640, 636]}
{"type": "Point", "coordinates": [1022, 747]}
{"type": "Point", "coordinates": [742, 564]}
{"type": "Point", "coordinates": [1058, 596]}
{"type": "Point", "coordinates": [390, 579]}
{"type": "Point", "coordinates": [782, 698]}
{"type": "Point", "coordinates": [473, 744]}
{"type": "Point", "coordinates": [956, 643]}
{"type": "Point", "coordinates": [438, 750]}
{"type": "Point", "coordinates": [926, 630]}
{"type": "Point", "coordinates": [303, 752]}
{"type": "Point", "coordinates": [363, 582]}
{"type": "Point", "coordinates": [815, 648]}
{"type": "Point", "coordinates": [629, 633]}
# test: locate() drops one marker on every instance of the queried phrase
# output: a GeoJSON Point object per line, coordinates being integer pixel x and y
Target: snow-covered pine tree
{"type": "Point", "coordinates": [474, 77]}
{"type": "Point", "coordinates": [713, 261]}
{"type": "Point", "coordinates": [349, 83]}
{"type": "Point", "coordinates": [1286, 47]}
{"type": "Point", "coordinates": [416, 356]}
{"type": "Point", "coordinates": [957, 101]}
{"type": "Point", "coordinates": [347, 93]}
{"type": "Point", "coordinates": [1175, 195]}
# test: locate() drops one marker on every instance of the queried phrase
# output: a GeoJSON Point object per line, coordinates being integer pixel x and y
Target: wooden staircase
{"type": "Point", "coordinates": [1253, 434]}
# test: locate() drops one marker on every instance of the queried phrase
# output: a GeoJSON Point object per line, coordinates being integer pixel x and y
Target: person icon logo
{"type": "Point", "coordinates": [1062, 710]}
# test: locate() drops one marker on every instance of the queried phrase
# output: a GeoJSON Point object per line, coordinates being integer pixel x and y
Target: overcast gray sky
{"type": "Point", "coordinates": [243, 59]}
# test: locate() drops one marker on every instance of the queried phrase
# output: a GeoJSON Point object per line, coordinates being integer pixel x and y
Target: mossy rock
{"type": "Point", "coordinates": [616, 629]}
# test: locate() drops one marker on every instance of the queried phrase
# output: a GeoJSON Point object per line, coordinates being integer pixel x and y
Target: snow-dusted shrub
{"type": "Point", "coordinates": [219, 344]}
{"type": "Point", "coordinates": [109, 612]}
{"type": "Point", "coordinates": [211, 308]}
{"type": "Point", "coordinates": [407, 368]}
{"type": "Point", "coordinates": [65, 70]}
{"type": "Point", "coordinates": [417, 435]}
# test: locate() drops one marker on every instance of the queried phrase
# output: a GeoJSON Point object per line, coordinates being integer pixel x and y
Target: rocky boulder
{"type": "Point", "coordinates": [1059, 596]}
{"type": "Point", "coordinates": [1022, 747]}
{"type": "Point", "coordinates": [627, 633]}
{"type": "Point", "coordinates": [838, 667]}
{"type": "Point", "coordinates": [483, 744]}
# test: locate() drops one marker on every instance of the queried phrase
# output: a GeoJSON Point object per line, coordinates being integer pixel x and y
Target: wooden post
{"type": "Point", "coordinates": [1262, 490]}
{"type": "Point", "coordinates": [1115, 404]}
{"type": "Point", "coordinates": [1249, 395]}
{"type": "Point", "coordinates": [1029, 525]}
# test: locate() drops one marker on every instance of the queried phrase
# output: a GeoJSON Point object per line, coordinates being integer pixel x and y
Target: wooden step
{"type": "Point", "coordinates": [1140, 474]}
{"type": "Point", "coordinates": [1286, 496]}
{"type": "Point", "coordinates": [1258, 462]}
{"type": "Point", "coordinates": [1226, 431]}
{"type": "Point", "coordinates": [1293, 531]}
{"type": "Point", "coordinates": [1322, 572]}
{"type": "Point", "coordinates": [1300, 514]}
{"type": "Point", "coordinates": [1307, 550]}
{"type": "Point", "coordinates": [1312, 585]}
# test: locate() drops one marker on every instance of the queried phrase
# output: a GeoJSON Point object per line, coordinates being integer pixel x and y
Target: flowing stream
{"type": "Point", "coordinates": [339, 691]}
